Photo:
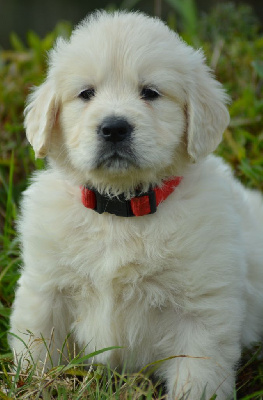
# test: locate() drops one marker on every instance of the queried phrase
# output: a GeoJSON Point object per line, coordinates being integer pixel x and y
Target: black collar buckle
{"type": "Point", "coordinates": [114, 205]}
{"type": "Point", "coordinates": [121, 207]}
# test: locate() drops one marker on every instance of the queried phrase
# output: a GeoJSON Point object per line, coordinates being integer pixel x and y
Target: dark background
{"type": "Point", "coordinates": [20, 16]}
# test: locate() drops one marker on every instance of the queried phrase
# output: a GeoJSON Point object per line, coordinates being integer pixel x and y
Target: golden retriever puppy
{"type": "Point", "coordinates": [135, 235]}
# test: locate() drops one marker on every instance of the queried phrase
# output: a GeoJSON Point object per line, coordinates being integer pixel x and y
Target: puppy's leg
{"type": "Point", "coordinates": [38, 327]}
{"type": "Point", "coordinates": [213, 369]}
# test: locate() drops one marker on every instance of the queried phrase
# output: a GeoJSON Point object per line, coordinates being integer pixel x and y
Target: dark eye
{"type": "Point", "coordinates": [149, 93]}
{"type": "Point", "coordinates": [87, 94]}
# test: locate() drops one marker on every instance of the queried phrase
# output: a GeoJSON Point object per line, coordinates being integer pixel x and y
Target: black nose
{"type": "Point", "coordinates": [115, 129]}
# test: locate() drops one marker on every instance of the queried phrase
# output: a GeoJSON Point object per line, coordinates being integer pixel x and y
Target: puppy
{"type": "Point", "coordinates": [135, 235]}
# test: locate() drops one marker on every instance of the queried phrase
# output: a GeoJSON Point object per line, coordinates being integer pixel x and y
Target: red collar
{"type": "Point", "coordinates": [142, 204]}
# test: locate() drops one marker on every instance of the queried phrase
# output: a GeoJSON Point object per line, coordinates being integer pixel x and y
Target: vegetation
{"type": "Point", "coordinates": [233, 44]}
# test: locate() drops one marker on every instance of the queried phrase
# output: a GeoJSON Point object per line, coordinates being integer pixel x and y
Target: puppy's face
{"type": "Point", "coordinates": [118, 115]}
{"type": "Point", "coordinates": [125, 100]}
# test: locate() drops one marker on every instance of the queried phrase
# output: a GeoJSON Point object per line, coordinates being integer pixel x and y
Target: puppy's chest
{"type": "Point", "coordinates": [114, 311]}
{"type": "Point", "coordinates": [112, 251]}
{"type": "Point", "coordinates": [115, 268]}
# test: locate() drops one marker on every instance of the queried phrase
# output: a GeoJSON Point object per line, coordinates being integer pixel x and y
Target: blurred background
{"type": "Point", "coordinates": [20, 16]}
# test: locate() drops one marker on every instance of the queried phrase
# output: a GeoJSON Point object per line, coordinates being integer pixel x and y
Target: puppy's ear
{"type": "Point", "coordinates": [207, 116]}
{"type": "Point", "coordinates": [40, 116]}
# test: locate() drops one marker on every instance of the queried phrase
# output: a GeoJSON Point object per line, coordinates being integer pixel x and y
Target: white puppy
{"type": "Point", "coordinates": [128, 116]}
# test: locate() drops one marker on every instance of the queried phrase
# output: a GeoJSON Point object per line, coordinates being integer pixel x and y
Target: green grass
{"type": "Point", "coordinates": [72, 381]}
{"type": "Point", "coordinates": [233, 45]}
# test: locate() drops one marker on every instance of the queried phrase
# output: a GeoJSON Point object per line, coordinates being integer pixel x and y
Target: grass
{"type": "Point", "coordinates": [233, 43]}
{"type": "Point", "coordinates": [72, 381]}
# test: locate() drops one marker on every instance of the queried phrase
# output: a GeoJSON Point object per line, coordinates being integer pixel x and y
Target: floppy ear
{"type": "Point", "coordinates": [207, 116]}
{"type": "Point", "coordinates": [40, 116]}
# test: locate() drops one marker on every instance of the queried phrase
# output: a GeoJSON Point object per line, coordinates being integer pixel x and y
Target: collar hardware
{"type": "Point", "coordinates": [113, 205]}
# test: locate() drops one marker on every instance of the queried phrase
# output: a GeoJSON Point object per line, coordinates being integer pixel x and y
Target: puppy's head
{"type": "Point", "coordinates": [124, 103]}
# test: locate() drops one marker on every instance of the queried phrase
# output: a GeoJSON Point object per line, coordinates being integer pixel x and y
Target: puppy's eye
{"type": "Point", "coordinates": [87, 94]}
{"type": "Point", "coordinates": [149, 93]}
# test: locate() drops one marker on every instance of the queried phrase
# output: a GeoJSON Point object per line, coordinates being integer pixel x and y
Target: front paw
{"type": "Point", "coordinates": [200, 383]}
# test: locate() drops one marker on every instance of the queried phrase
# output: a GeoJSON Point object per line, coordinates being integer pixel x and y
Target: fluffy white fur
{"type": "Point", "coordinates": [187, 280]}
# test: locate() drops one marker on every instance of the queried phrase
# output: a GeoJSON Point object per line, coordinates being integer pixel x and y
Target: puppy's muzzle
{"type": "Point", "coordinates": [114, 129]}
